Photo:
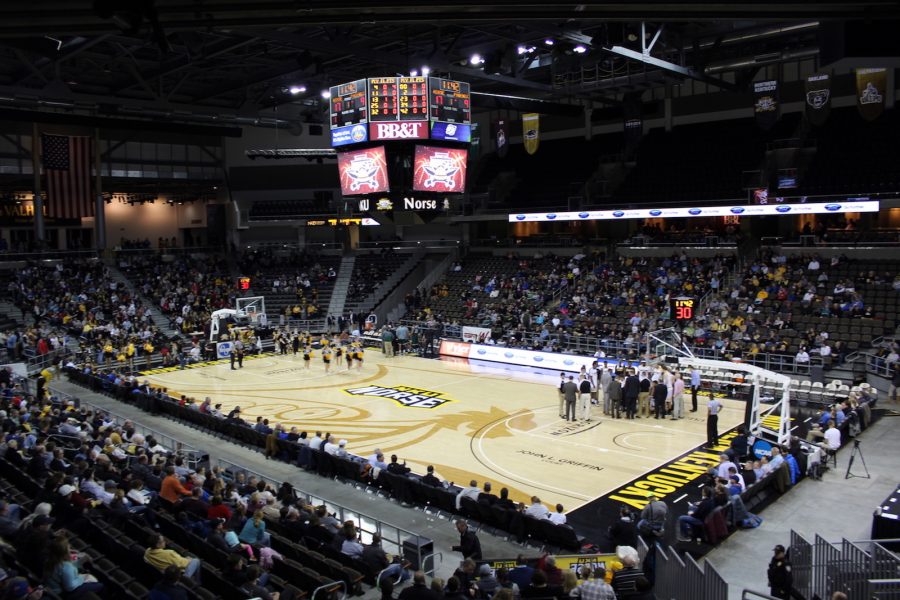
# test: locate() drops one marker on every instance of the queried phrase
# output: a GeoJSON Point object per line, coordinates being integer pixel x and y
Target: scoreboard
{"type": "Point", "coordinates": [398, 99]}
{"type": "Point", "coordinates": [449, 101]}
{"type": "Point", "coordinates": [396, 108]}
{"type": "Point", "coordinates": [348, 104]}
{"type": "Point", "coordinates": [682, 309]}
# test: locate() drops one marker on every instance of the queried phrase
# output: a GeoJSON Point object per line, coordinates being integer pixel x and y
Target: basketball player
{"type": "Point", "coordinates": [594, 377]}
{"type": "Point", "coordinates": [562, 395]}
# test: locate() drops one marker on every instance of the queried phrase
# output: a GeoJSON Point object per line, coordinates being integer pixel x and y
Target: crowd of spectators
{"type": "Point", "coordinates": [294, 273]}
{"type": "Point", "coordinates": [77, 300]}
{"type": "Point", "coordinates": [186, 288]}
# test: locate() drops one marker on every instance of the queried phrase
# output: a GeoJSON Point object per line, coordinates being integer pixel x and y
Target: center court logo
{"type": "Point", "coordinates": [403, 395]}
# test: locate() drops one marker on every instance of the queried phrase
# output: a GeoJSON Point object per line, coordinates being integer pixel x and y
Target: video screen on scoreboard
{"type": "Point", "coordinates": [363, 171]}
{"type": "Point", "coordinates": [439, 169]}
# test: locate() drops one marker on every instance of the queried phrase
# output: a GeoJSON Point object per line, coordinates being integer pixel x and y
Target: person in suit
{"type": "Point", "coordinates": [659, 394]}
{"type": "Point", "coordinates": [570, 391]}
{"type": "Point", "coordinates": [486, 497]}
{"type": "Point", "coordinates": [614, 394]}
{"type": "Point", "coordinates": [630, 392]}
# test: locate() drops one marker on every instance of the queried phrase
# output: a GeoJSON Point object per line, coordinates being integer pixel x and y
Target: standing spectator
{"type": "Point", "coordinates": [469, 544]}
{"type": "Point", "coordinates": [779, 573]}
{"type": "Point", "coordinates": [653, 516]}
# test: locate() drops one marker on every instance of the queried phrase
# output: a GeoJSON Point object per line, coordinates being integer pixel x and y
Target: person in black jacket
{"type": "Point", "coordinates": [630, 392]}
{"type": "Point", "coordinates": [167, 587]}
{"type": "Point", "coordinates": [624, 531]}
{"type": "Point", "coordinates": [659, 393]}
{"type": "Point", "coordinates": [469, 544]}
{"type": "Point", "coordinates": [780, 577]}
{"type": "Point", "coordinates": [695, 517]}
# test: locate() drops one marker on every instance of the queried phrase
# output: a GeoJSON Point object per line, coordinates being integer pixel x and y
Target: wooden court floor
{"type": "Point", "coordinates": [483, 421]}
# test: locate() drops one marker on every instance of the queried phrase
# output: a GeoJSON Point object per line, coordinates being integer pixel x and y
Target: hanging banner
{"type": "Point", "coordinates": [531, 131]}
{"type": "Point", "coordinates": [818, 98]}
{"type": "Point", "coordinates": [633, 123]}
{"type": "Point", "coordinates": [500, 137]}
{"type": "Point", "coordinates": [765, 103]}
{"type": "Point", "coordinates": [870, 87]}
{"type": "Point", "coordinates": [475, 145]}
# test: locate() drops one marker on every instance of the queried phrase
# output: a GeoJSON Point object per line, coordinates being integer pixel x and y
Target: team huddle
{"type": "Point", "coordinates": [333, 350]}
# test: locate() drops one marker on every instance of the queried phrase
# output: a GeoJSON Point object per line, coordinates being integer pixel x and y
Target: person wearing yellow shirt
{"type": "Point", "coordinates": [159, 557]}
{"type": "Point", "coordinates": [307, 356]}
{"type": "Point", "coordinates": [148, 353]}
{"type": "Point", "coordinates": [761, 296]}
{"type": "Point", "coordinates": [108, 351]}
{"type": "Point", "coordinates": [129, 355]}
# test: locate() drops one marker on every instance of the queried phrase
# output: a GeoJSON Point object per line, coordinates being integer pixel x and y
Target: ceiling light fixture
{"type": "Point", "coordinates": [475, 60]}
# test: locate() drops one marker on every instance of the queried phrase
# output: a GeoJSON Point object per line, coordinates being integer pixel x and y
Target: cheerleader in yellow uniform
{"type": "Point", "coordinates": [359, 356]}
{"type": "Point", "coordinates": [350, 356]}
{"type": "Point", "coordinates": [338, 355]}
{"type": "Point", "coordinates": [326, 358]}
{"type": "Point", "coordinates": [307, 356]}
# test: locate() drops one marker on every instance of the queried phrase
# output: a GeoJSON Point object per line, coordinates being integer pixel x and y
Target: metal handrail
{"type": "Point", "coordinates": [330, 588]}
{"type": "Point", "coordinates": [432, 556]}
{"type": "Point", "coordinates": [751, 595]}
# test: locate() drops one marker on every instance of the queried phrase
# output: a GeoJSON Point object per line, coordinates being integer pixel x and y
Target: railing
{"type": "Point", "coordinates": [47, 254]}
{"type": "Point", "coordinates": [877, 365]}
{"type": "Point", "coordinates": [860, 569]}
{"type": "Point", "coordinates": [193, 456]}
{"type": "Point", "coordinates": [123, 252]}
{"type": "Point", "coordinates": [751, 595]}
{"type": "Point", "coordinates": [685, 579]}
{"type": "Point", "coordinates": [408, 244]}
{"type": "Point", "coordinates": [395, 540]}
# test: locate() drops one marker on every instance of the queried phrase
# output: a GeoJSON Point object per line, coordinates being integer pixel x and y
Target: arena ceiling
{"type": "Point", "coordinates": [228, 60]}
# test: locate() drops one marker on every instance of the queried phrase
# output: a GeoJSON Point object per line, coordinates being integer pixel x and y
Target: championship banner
{"type": "Point", "coordinates": [765, 104]}
{"type": "Point", "coordinates": [475, 145]}
{"type": "Point", "coordinates": [477, 335]}
{"type": "Point", "coordinates": [633, 123]}
{"type": "Point", "coordinates": [531, 131]}
{"type": "Point", "coordinates": [500, 138]}
{"type": "Point", "coordinates": [818, 98]}
{"type": "Point", "coordinates": [870, 88]}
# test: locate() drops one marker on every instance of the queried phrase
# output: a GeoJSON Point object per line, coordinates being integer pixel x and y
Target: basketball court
{"type": "Point", "coordinates": [481, 421]}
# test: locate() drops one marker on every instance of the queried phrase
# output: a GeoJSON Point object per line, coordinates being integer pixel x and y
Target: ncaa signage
{"type": "Point", "coordinates": [407, 130]}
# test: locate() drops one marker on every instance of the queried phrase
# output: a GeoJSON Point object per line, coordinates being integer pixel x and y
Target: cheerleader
{"type": "Point", "coordinates": [326, 358]}
{"type": "Point", "coordinates": [359, 356]}
{"type": "Point", "coordinates": [307, 356]}
{"type": "Point", "coordinates": [349, 357]}
{"type": "Point", "coordinates": [338, 355]}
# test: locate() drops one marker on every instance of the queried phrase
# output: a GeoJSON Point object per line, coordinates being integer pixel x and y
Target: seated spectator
{"type": "Point", "coordinates": [167, 588]}
{"type": "Point", "coordinates": [624, 531]}
{"type": "Point", "coordinates": [596, 588]}
{"type": "Point", "coordinates": [254, 531]}
{"type": "Point", "coordinates": [160, 557]}
{"type": "Point", "coordinates": [374, 556]}
{"type": "Point", "coordinates": [472, 492]}
{"type": "Point", "coordinates": [687, 524]}
{"type": "Point", "coordinates": [538, 588]}
{"type": "Point", "coordinates": [558, 517]}
{"type": "Point", "coordinates": [536, 509]}
{"type": "Point", "coordinates": [653, 516]}
{"type": "Point", "coordinates": [624, 581]}
{"type": "Point", "coordinates": [62, 572]}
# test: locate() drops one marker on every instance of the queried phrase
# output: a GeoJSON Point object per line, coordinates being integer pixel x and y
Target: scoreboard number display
{"type": "Point", "coordinates": [449, 101]}
{"type": "Point", "coordinates": [413, 98]}
{"type": "Point", "coordinates": [383, 99]}
{"type": "Point", "coordinates": [682, 309]}
{"type": "Point", "coordinates": [348, 104]}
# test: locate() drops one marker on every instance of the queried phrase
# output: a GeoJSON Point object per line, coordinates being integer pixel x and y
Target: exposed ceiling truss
{"type": "Point", "coordinates": [233, 58]}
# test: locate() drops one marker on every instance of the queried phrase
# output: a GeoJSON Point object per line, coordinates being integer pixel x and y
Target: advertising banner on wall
{"type": "Point", "coordinates": [475, 334]}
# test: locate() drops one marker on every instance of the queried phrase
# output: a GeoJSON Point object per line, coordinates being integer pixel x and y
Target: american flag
{"type": "Point", "coordinates": [67, 165]}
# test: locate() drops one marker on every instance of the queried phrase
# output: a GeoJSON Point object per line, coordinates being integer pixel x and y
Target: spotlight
{"type": "Point", "coordinates": [326, 94]}
{"type": "Point", "coordinates": [426, 71]}
{"type": "Point", "coordinates": [475, 60]}
{"type": "Point", "coordinates": [548, 42]}
{"type": "Point", "coordinates": [579, 49]}
{"type": "Point", "coordinates": [297, 89]}
{"type": "Point", "coordinates": [522, 50]}
{"type": "Point", "coordinates": [413, 73]}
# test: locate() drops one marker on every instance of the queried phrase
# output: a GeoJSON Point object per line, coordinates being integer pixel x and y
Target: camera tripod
{"type": "Point", "coordinates": [862, 459]}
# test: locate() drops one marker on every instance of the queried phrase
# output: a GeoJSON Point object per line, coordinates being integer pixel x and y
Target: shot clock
{"type": "Point", "coordinates": [682, 309]}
